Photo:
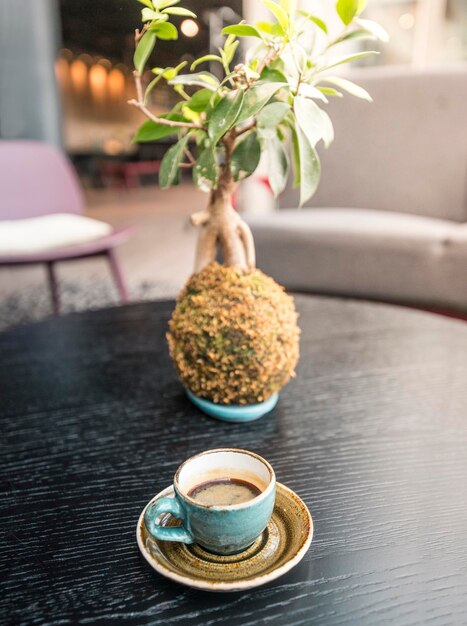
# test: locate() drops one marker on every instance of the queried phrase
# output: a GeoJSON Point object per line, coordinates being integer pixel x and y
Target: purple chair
{"type": "Point", "coordinates": [36, 179]}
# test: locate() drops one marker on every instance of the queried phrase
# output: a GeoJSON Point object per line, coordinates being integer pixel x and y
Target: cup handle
{"type": "Point", "coordinates": [167, 533]}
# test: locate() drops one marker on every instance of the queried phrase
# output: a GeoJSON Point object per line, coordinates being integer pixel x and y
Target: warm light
{"type": "Point", "coordinates": [79, 75]}
{"type": "Point", "coordinates": [62, 72]}
{"type": "Point", "coordinates": [407, 21]}
{"type": "Point", "coordinates": [86, 58]}
{"type": "Point", "coordinates": [98, 82]}
{"type": "Point", "coordinates": [105, 63]}
{"type": "Point", "coordinates": [189, 28]}
{"type": "Point", "coordinates": [113, 146]}
{"type": "Point", "coordinates": [67, 54]}
{"type": "Point", "coordinates": [116, 85]}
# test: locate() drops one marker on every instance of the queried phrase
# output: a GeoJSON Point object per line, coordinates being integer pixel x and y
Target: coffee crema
{"type": "Point", "coordinates": [224, 492]}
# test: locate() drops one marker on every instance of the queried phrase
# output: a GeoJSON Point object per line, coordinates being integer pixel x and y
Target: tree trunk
{"type": "Point", "coordinates": [220, 223]}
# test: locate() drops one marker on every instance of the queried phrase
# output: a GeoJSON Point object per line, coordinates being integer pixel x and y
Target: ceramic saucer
{"type": "Point", "coordinates": [232, 412]}
{"type": "Point", "coordinates": [277, 550]}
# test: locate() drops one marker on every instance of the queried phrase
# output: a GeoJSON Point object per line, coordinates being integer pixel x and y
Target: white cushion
{"type": "Point", "coordinates": [49, 232]}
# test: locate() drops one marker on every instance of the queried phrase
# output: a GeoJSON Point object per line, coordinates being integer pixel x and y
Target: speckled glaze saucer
{"type": "Point", "coordinates": [280, 547]}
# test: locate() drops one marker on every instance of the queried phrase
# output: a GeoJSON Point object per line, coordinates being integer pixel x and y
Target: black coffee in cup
{"type": "Point", "coordinates": [224, 498]}
{"type": "Point", "coordinates": [224, 492]}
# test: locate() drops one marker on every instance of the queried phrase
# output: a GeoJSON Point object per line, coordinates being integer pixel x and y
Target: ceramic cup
{"type": "Point", "coordinates": [225, 529]}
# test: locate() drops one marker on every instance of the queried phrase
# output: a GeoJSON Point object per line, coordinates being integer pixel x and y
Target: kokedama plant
{"type": "Point", "coordinates": [221, 127]}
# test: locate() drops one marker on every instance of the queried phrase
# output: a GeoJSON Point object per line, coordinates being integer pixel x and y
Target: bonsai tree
{"type": "Point", "coordinates": [233, 336]}
{"type": "Point", "coordinates": [272, 100]}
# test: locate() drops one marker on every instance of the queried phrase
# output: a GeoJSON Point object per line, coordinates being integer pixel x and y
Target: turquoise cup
{"type": "Point", "coordinates": [223, 529]}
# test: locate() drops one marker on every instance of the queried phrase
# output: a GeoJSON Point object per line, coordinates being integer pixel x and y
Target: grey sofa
{"type": "Point", "coordinates": [396, 181]}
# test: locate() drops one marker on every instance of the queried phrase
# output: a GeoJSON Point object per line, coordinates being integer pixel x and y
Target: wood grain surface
{"type": "Point", "coordinates": [372, 434]}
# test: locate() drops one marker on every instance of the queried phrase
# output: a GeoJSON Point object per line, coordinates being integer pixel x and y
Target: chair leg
{"type": "Point", "coordinates": [117, 276]}
{"type": "Point", "coordinates": [53, 286]}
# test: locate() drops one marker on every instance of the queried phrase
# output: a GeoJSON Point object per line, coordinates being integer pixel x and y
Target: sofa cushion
{"type": "Point", "coordinates": [372, 254]}
{"type": "Point", "coordinates": [49, 232]}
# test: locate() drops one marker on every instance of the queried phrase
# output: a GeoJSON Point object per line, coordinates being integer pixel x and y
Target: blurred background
{"type": "Point", "coordinates": [65, 79]}
{"type": "Point", "coordinates": [94, 64]}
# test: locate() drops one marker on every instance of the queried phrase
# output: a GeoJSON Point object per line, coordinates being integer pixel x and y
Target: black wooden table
{"type": "Point", "coordinates": [372, 434]}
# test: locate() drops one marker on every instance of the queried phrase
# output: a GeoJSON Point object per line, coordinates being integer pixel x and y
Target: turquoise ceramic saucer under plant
{"type": "Point", "coordinates": [234, 413]}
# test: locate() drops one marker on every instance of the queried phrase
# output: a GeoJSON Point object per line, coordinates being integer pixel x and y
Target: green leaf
{"type": "Point", "coordinates": [256, 98]}
{"type": "Point", "coordinates": [348, 59]}
{"type": "Point", "coordinates": [300, 58]}
{"type": "Point", "coordinates": [207, 57]}
{"type": "Point", "coordinates": [265, 27]}
{"type": "Point", "coordinates": [179, 11]}
{"type": "Point", "coordinates": [277, 30]}
{"type": "Point", "coordinates": [151, 131]}
{"type": "Point", "coordinates": [281, 15]}
{"type": "Point", "coordinates": [168, 73]}
{"type": "Point", "coordinates": [309, 91]}
{"type": "Point", "coordinates": [148, 15]}
{"type": "Point", "coordinates": [229, 51]}
{"type": "Point", "coordinates": [205, 172]}
{"type": "Point", "coordinates": [313, 121]}
{"type": "Point", "coordinates": [213, 102]}
{"type": "Point", "coordinates": [179, 67]}
{"type": "Point", "coordinates": [278, 160]}
{"type": "Point", "coordinates": [246, 156]}
{"type": "Point", "coordinates": [164, 30]}
{"type": "Point", "coordinates": [147, 3]}
{"type": "Point", "coordinates": [200, 100]}
{"type": "Point", "coordinates": [225, 115]}
{"type": "Point", "coordinates": [328, 128]}
{"type": "Point", "coordinates": [309, 165]}
{"type": "Point", "coordinates": [177, 108]}
{"type": "Point", "coordinates": [151, 86]}
{"type": "Point", "coordinates": [374, 28]}
{"type": "Point", "coordinates": [272, 114]}
{"type": "Point", "coordinates": [229, 41]}
{"type": "Point", "coordinates": [360, 33]}
{"type": "Point", "coordinates": [347, 10]}
{"type": "Point", "coordinates": [143, 50]}
{"type": "Point", "coordinates": [319, 23]}
{"type": "Point", "coordinates": [278, 64]}
{"type": "Point", "coordinates": [171, 72]}
{"type": "Point", "coordinates": [361, 6]}
{"type": "Point", "coordinates": [241, 30]}
{"type": "Point", "coordinates": [181, 92]}
{"type": "Point", "coordinates": [295, 153]}
{"type": "Point", "coordinates": [273, 76]}
{"type": "Point", "coordinates": [316, 20]}
{"type": "Point", "coordinates": [171, 162]}
{"type": "Point", "coordinates": [349, 86]}
{"type": "Point", "coordinates": [162, 4]}
{"type": "Point", "coordinates": [200, 79]}
{"type": "Point", "coordinates": [329, 91]}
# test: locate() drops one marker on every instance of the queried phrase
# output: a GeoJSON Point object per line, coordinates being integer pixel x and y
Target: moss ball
{"type": "Point", "coordinates": [233, 336]}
